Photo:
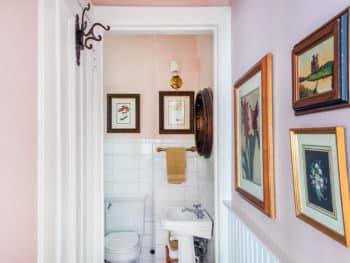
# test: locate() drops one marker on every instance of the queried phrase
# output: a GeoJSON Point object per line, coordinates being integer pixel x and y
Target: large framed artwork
{"type": "Point", "coordinates": [123, 113]}
{"type": "Point", "coordinates": [176, 109]}
{"type": "Point", "coordinates": [254, 178]}
{"type": "Point", "coordinates": [321, 180]}
{"type": "Point", "coordinates": [320, 68]}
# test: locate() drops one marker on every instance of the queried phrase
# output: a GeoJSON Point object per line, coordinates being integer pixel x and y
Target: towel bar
{"type": "Point", "coordinates": [191, 149]}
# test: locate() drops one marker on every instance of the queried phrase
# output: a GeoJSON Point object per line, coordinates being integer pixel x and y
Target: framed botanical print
{"type": "Point", "coordinates": [123, 113]}
{"type": "Point", "coordinates": [254, 178]}
{"type": "Point", "coordinates": [320, 68]}
{"type": "Point", "coordinates": [176, 111]}
{"type": "Point", "coordinates": [321, 180]}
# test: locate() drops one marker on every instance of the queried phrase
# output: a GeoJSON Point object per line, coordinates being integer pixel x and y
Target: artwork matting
{"type": "Point", "coordinates": [320, 180]}
{"type": "Point", "coordinates": [176, 112]}
{"type": "Point", "coordinates": [254, 178]}
{"type": "Point", "coordinates": [123, 113]}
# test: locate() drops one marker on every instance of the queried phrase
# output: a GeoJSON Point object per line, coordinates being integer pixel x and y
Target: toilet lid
{"type": "Point", "coordinates": [121, 240]}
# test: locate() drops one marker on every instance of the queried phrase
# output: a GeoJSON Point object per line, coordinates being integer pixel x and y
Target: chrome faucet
{"type": "Point", "coordinates": [198, 210]}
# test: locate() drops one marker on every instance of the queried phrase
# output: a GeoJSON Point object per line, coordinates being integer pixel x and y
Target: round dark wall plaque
{"type": "Point", "coordinates": [203, 108]}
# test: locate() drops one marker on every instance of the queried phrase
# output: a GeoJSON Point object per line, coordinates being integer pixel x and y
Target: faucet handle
{"type": "Point", "coordinates": [197, 205]}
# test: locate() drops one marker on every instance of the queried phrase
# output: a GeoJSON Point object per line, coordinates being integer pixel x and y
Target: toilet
{"type": "Point", "coordinates": [124, 228]}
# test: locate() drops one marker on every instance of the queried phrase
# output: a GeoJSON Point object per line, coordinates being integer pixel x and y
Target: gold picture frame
{"type": "Point", "coordinates": [321, 181]}
{"type": "Point", "coordinates": [254, 166]}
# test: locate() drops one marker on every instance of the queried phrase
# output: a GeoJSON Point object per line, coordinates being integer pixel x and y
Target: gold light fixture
{"type": "Point", "coordinates": [175, 81]}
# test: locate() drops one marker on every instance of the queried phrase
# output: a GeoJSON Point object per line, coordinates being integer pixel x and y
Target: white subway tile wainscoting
{"type": "Point", "coordinates": [134, 166]}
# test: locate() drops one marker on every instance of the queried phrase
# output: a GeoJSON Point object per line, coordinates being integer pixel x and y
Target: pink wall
{"type": "Point", "coordinates": [276, 25]}
{"type": "Point", "coordinates": [141, 64]}
{"type": "Point", "coordinates": [18, 133]}
{"type": "Point", "coordinates": [162, 2]}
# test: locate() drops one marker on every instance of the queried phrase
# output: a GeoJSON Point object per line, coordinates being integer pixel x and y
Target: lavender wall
{"type": "Point", "coordinates": [259, 27]}
{"type": "Point", "coordinates": [18, 133]}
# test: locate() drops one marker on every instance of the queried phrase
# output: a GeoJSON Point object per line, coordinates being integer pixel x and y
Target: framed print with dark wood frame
{"type": "Point", "coordinates": [123, 113]}
{"type": "Point", "coordinates": [321, 180]}
{"type": "Point", "coordinates": [254, 168]}
{"type": "Point", "coordinates": [320, 68]}
{"type": "Point", "coordinates": [176, 112]}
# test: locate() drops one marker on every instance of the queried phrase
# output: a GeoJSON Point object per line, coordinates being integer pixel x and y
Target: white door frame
{"type": "Point", "coordinates": [190, 20]}
{"type": "Point", "coordinates": [69, 137]}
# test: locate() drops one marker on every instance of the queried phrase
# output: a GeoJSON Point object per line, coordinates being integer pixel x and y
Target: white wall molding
{"type": "Point", "coordinates": [69, 138]}
{"type": "Point", "coordinates": [272, 249]}
{"type": "Point", "coordinates": [186, 20]}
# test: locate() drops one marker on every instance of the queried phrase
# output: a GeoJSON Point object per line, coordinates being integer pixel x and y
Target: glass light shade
{"type": "Point", "coordinates": [174, 67]}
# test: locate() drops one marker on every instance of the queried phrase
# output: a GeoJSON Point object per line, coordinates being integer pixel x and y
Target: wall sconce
{"type": "Point", "coordinates": [82, 35]}
{"type": "Point", "coordinates": [175, 81]}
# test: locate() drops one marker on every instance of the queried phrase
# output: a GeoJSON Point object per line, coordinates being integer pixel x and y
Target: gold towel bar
{"type": "Point", "coordinates": [191, 149]}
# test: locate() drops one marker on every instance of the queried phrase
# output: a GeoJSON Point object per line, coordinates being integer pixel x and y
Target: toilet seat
{"type": "Point", "coordinates": [121, 246]}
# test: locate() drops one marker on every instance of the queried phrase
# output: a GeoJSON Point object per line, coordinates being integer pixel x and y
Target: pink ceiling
{"type": "Point", "coordinates": [162, 2]}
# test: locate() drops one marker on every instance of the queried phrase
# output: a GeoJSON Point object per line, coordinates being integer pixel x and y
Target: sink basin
{"type": "Point", "coordinates": [184, 226]}
{"type": "Point", "coordinates": [186, 223]}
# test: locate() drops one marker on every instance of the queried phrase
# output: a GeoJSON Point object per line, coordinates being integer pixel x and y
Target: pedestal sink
{"type": "Point", "coordinates": [184, 226]}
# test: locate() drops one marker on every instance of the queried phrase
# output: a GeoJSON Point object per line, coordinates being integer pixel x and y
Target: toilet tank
{"type": "Point", "coordinates": [125, 213]}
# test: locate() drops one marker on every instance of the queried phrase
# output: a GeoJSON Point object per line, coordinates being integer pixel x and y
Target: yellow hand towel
{"type": "Point", "coordinates": [176, 164]}
{"type": "Point", "coordinates": [173, 243]}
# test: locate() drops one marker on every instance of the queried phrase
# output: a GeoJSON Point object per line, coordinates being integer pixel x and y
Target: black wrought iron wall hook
{"type": "Point", "coordinates": [83, 36]}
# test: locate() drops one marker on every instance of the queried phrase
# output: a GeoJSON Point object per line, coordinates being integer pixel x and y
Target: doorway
{"type": "Point", "coordinates": [212, 21]}
{"type": "Point", "coordinates": [140, 65]}
{"type": "Point", "coordinates": [71, 206]}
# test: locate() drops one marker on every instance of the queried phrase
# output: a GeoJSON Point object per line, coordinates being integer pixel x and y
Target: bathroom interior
{"type": "Point", "coordinates": [158, 173]}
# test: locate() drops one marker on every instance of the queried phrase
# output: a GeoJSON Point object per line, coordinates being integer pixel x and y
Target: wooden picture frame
{"type": "Point", "coordinates": [320, 68]}
{"type": "Point", "coordinates": [254, 165]}
{"type": "Point", "coordinates": [204, 122]}
{"type": "Point", "coordinates": [123, 113]}
{"type": "Point", "coordinates": [176, 112]}
{"type": "Point", "coordinates": [321, 181]}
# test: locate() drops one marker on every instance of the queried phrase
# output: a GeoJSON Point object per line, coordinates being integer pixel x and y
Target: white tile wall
{"type": "Point", "coordinates": [166, 195]}
{"type": "Point", "coordinates": [134, 166]}
{"type": "Point", "coordinates": [128, 169]}
{"type": "Point", "coordinates": [206, 188]}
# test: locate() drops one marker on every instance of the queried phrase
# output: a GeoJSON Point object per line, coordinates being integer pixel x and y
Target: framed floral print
{"type": "Point", "coordinates": [321, 180]}
{"type": "Point", "coordinates": [320, 68]}
{"type": "Point", "coordinates": [123, 113]}
{"type": "Point", "coordinates": [176, 112]}
{"type": "Point", "coordinates": [254, 178]}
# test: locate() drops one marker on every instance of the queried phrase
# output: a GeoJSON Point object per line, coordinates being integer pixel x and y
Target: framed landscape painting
{"type": "Point", "coordinates": [123, 113]}
{"type": "Point", "coordinates": [321, 180]}
{"type": "Point", "coordinates": [176, 112]}
{"type": "Point", "coordinates": [253, 136]}
{"type": "Point", "coordinates": [320, 68]}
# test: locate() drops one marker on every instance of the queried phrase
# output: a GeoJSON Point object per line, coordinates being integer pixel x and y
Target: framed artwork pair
{"type": "Point", "coordinates": [176, 112]}
{"type": "Point", "coordinates": [321, 82]}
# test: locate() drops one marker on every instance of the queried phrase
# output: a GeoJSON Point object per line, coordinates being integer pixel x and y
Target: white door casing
{"type": "Point", "coordinates": [191, 20]}
{"type": "Point", "coordinates": [70, 123]}
{"type": "Point", "coordinates": [70, 137]}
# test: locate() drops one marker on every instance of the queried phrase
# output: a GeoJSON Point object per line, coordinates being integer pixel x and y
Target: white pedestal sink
{"type": "Point", "coordinates": [184, 226]}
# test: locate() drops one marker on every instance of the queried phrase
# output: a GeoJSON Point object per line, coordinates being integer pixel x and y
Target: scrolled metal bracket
{"type": "Point", "coordinates": [84, 36]}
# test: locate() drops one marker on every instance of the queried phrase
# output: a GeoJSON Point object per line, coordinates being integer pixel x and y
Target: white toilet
{"type": "Point", "coordinates": [124, 228]}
